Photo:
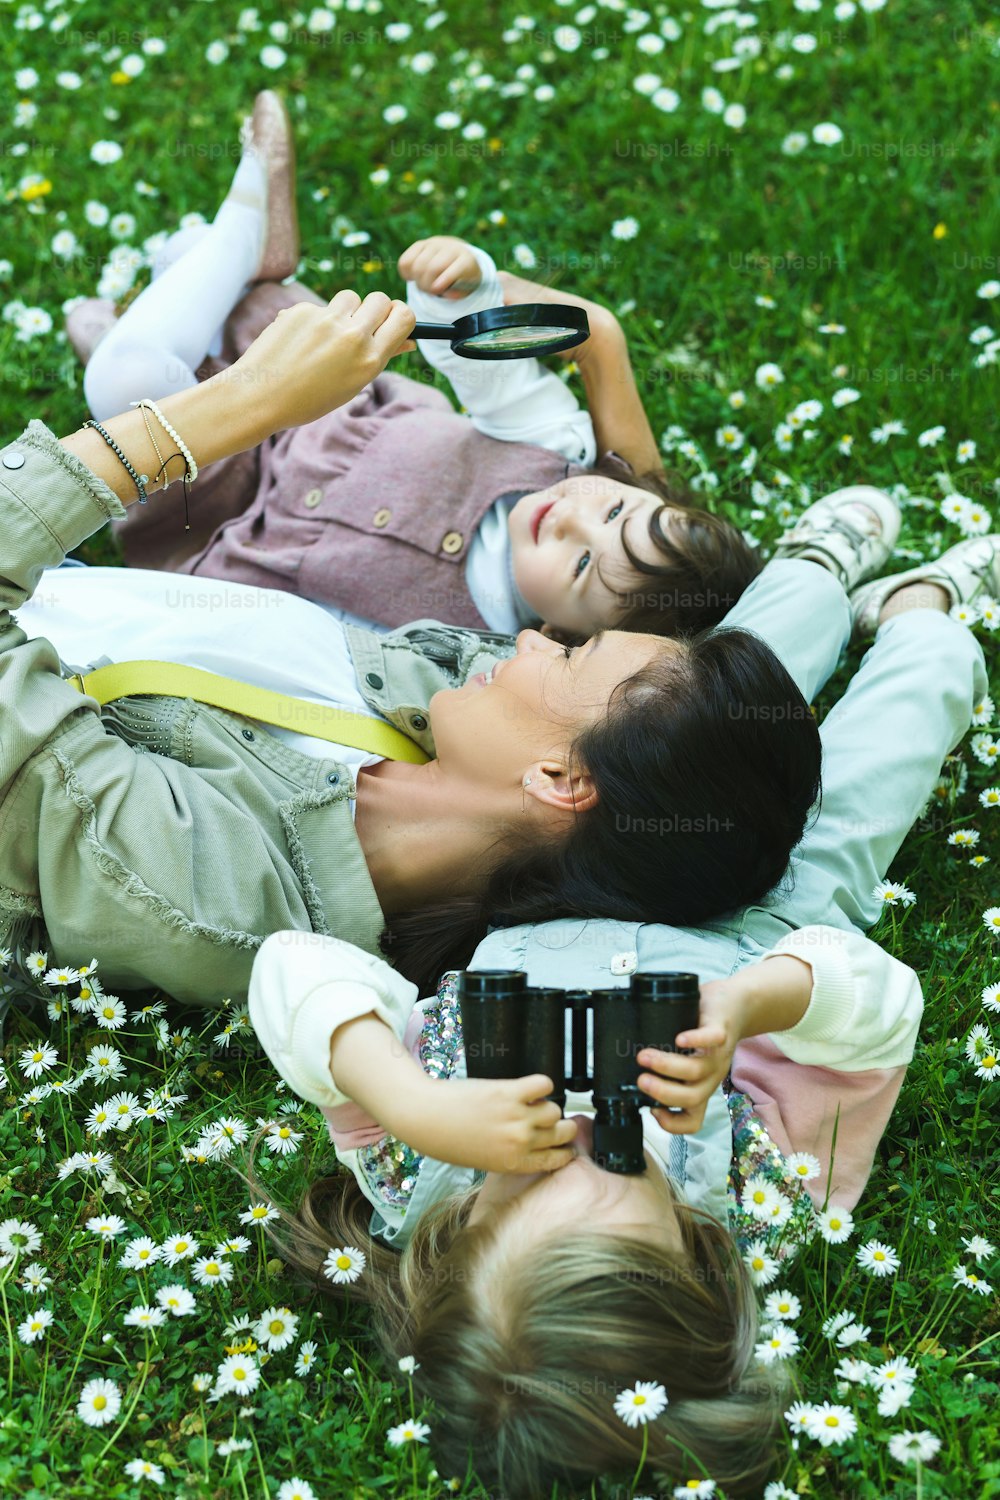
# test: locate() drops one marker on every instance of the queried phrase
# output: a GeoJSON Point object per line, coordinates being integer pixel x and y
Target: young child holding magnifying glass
{"type": "Point", "coordinates": [530, 510]}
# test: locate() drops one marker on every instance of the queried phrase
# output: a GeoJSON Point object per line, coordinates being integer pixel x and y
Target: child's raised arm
{"type": "Point", "coordinates": [616, 409]}
{"type": "Point", "coordinates": [331, 1018]}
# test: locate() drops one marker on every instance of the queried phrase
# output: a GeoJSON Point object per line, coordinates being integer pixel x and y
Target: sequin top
{"type": "Point", "coordinates": [390, 1166]}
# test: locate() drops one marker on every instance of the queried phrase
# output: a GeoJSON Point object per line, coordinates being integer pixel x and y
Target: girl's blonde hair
{"type": "Point", "coordinates": [522, 1357]}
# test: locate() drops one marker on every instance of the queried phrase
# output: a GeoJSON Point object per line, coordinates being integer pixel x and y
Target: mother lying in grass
{"type": "Point", "coordinates": [541, 1297]}
{"type": "Point", "coordinates": [169, 838]}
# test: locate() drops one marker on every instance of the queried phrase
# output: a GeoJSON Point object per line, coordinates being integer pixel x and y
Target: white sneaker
{"type": "Point", "coordinates": [965, 572]}
{"type": "Point", "coordinates": [851, 533]}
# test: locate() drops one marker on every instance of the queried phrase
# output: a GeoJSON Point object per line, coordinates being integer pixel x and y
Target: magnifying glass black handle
{"type": "Point", "coordinates": [433, 331]}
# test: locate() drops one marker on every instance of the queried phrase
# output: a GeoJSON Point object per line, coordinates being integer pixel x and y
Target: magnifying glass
{"type": "Point", "coordinates": [511, 332]}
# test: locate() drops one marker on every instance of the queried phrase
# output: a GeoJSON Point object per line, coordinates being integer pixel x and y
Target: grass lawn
{"type": "Point", "coordinates": [803, 188]}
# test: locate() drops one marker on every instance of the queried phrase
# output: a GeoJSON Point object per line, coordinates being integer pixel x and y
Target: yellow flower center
{"type": "Point", "coordinates": [831, 1421]}
{"type": "Point", "coordinates": [212, 1269]}
{"type": "Point", "coordinates": [835, 1223]}
{"type": "Point", "coordinates": [759, 1196]}
{"type": "Point", "coordinates": [100, 1402]}
{"type": "Point", "coordinates": [639, 1400]}
{"type": "Point", "coordinates": [239, 1373]}
{"type": "Point", "coordinates": [343, 1262]}
{"type": "Point", "coordinates": [989, 1061]}
{"type": "Point", "coordinates": [878, 1255]}
{"type": "Point", "coordinates": [284, 1132]}
{"type": "Point", "coordinates": [181, 1245]}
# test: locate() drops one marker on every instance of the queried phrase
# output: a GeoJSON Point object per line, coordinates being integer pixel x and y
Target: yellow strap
{"type": "Point", "coordinates": [164, 679]}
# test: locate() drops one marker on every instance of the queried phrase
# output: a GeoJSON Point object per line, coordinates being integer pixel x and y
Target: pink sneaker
{"type": "Point", "coordinates": [87, 324]}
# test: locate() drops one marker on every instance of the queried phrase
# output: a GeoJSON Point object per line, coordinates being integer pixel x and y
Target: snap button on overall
{"type": "Point", "coordinates": [452, 542]}
{"type": "Point", "coordinates": [374, 680]}
{"type": "Point", "coordinates": [312, 499]}
{"type": "Point", "coordinates": [382, 517]}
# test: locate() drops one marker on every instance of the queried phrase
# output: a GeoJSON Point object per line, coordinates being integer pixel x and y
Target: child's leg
{"type": "Point", "coordinates": [157, 345]}
{"type": "Point", "coordinates": [908, 705]}
{"type": "Point", "coordinates": [802, 612]}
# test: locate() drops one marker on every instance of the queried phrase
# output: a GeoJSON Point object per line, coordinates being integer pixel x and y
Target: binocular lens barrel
{"type": "Point", "coordinates": [511, 1029]}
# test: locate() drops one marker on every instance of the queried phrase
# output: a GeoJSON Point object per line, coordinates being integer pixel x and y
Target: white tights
{"type": "Point", "coordinates": [199, 276]}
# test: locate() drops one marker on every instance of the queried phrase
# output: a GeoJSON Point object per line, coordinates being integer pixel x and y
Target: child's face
{"type": "Point", "coordinates": [567, 555]}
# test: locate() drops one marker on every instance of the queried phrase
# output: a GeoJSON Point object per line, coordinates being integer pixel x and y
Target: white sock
{"type": "Point", "coordinates": [244, 209]}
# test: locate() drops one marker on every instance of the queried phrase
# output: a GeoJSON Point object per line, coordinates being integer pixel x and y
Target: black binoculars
{"type": "Point", "coordinates": [511, 1029]}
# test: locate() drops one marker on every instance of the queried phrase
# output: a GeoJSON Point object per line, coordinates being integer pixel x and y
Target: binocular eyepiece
{"type": "Point", "coordinates": [511, 1029]}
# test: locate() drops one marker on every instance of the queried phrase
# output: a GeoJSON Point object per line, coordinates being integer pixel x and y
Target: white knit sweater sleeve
{"type": "Point", "coordinates": [865, 1008]}
{"type": "Point", "coordinates": [514, 400]}
{"type": "Point", "coordinates": [302, 987]}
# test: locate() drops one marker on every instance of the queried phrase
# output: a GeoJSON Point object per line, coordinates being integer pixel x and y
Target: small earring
{"type": "Point", "coordinates": [527, 781]}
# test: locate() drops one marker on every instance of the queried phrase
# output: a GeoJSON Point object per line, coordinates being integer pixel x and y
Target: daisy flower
{"type": "Point", "coordinates": [283, 1141]}
{"type": "Point", "coordinates": [851, 1334]}
{"type": "Point", "coordinates": [123, 1109]}
{"type": "Point", "coordinates": [991, 917]}
{"type": "Point", "coordinates": [835, 1224]}
{"type": "Point", "coordinates": [983, 712]}
{"type": "Point", "coordinates": [36, 1279]}
{"type": "Point", "coordinates": [762, 1267]}
{"type": "Point", "coordinates": [407, 1364]}
{"type": "Point", "coordinates": [19, 1237]}
{"type": "Point", "coordinates": [306, 1357]}
{"type": "Point", "coordinates": [830, 1424]}
{"type": "Point", "coordinates": [799, 1415]}
{"type": "Point", "coordinates": [893, 1398]}
{"type": "Point", "coordinates": [37, 962]}
{"type": "Point", "coordinates": [139, 1254]}
{"type": "Point", "coordinates": [893, 1372]}
{"type": "Point", "coordinates": [979, 1248]}
{"type": "Point", "coordinates": [408, 1432]}
{"type": "Point", "coordinates": [729, 437]}
{"type": "Point", "coordinates": [856, 1371]}
{"type": "Point", "coordinates": [803, 1165]}
{"type": "Point", "coordinates": [61, 977]}
{"type": "Point", "coordinates": [237, 1373]}
{"type": "Point", "coordinates": [110, 1012]}
{"type": "Point", "coordinates": [238, 1244]}
{"type": "Point", "coordinates": [141, 1468]}
{"type": "Point", "coordinates": [107, 1227]}
{"type": "Point", "coordinates": [625, 229]}
{"type": "Point", "coordinates": [966, 451]}
{"type": "Point", "coordinates": [767, 377]}
{"type": "Point", "coordinates": [965, 838]}
{"type": "Point", "coordinates": [930, 437]}
{"type": "Point", "coordinates": [782, 1305]}
{"type": "Point", "coordinates": [34, 1326]}
{"type": "Point", "coordinates": [846, 396]}
{"type": "Point", "coordinates": [276, 1328]}
{"type": "Point", "coordinates": [891, 893]}
{"type": "Point", "coordinates": [641, 1403]}
{"type": "Point", "coordinates": [104, 1062]}
{"type": "Point", "coordinates": [201, 1383]}
{"type": "Point", "coordinates": [914, 1447]}
{"type": "Point", "coordinates": [177, 1300]}
{"type": "Point", "coordinates": [209, 1272]}
{"type": "Point", "coordinates": [695, 1487]}
{"type": "Point", "coordinates": [978, 860]}
{"type": "Point", "coordinates": [179, 1247]}
{"type": "Point", "coordinates": [143, 1316]}
{"type": "Point", "coordinates": [759, 1197]}
{"type": "Point", "coordinates": [344, 1264]}
{"type": "Point", "coordinates": [990, 797]}
{"type": "Point", "coordinates": [780, 1343]}
{"type": "Point", "coordinates": [879, 1259]}
{"type": "Point", "coordinates": [298, 1489]}
{"type": "Point", "coordinates": [827, 134]}
{"type": "Point", "coordinates": [100, 1402]}
{"type": "Point", "coordinates": [262, 1213]}
{"type": "Point", "coordinates": [38, 1059]}
{"type": "Point", "coordinates": [845, 444]}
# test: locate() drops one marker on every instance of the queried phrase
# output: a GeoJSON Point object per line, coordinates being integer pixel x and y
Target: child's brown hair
{"type": "Point", "coordinates": [522, 1355]}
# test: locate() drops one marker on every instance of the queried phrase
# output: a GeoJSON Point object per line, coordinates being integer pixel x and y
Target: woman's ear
{"type": "Point", "coordinates": [554, 785]}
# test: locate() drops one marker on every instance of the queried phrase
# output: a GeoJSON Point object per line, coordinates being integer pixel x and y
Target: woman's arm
{"type": "Point", "coordinates": [308, 361]}
{"type": "Point", "coordinates": [616, 409]}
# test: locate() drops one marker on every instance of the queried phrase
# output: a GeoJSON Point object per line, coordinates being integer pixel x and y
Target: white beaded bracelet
{"type": "Point", "coordinates": [184, 450]}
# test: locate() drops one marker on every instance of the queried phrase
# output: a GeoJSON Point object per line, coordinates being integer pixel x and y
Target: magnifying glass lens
{"type": "Point", "coordinates": [518, 337]}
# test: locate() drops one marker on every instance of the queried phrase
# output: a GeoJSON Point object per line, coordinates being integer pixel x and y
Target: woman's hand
{"type": "Point", "coordinates": [312, 359]}
{"type": "Point", "coordinates": [505, 1126]}
{"type": "Point", "coordinates": [443, 265]}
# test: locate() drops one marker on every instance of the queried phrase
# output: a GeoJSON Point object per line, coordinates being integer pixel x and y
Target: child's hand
{"type": "Point", "coordinates": [690, 1082]}
{"type": "Point", "coordinates": [442, 265]}
{"type": "Point", "coordinates": [502, 1126]}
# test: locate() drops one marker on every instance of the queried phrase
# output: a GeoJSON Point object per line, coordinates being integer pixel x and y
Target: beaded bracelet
{"type": "Point", "coordinates": [139, 480]}
{"type": "Point", "coordinates": [185, 454]}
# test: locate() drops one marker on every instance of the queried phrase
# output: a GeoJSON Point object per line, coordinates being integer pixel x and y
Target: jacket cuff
{"type": "Point", "coordinates": [832, 1004]}
{"type": "Point", "coordinates": [95, 502]}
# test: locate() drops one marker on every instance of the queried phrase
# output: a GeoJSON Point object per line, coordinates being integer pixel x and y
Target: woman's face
{"type": "Point", "coordinates": [533, 706]}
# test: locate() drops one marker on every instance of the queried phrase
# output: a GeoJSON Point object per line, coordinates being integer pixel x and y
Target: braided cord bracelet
{"type": "Point", "coordinates": [139, 480]}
